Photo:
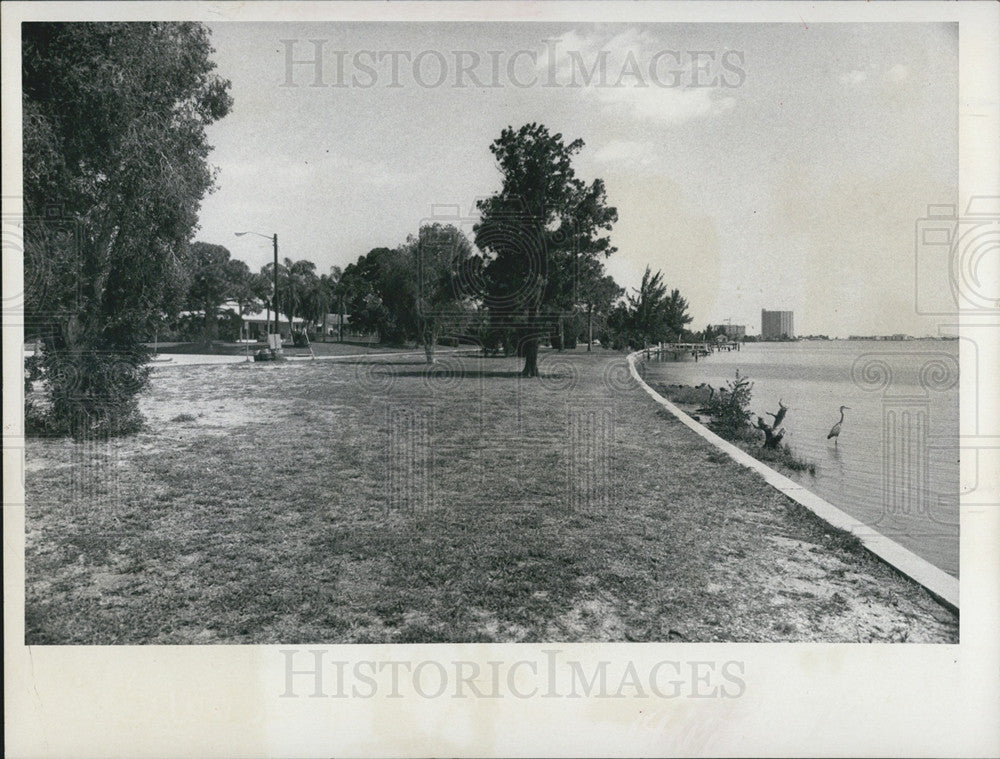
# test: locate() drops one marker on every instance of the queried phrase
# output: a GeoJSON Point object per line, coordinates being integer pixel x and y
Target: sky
{"type": "Point", "coordinates": [777, 166]}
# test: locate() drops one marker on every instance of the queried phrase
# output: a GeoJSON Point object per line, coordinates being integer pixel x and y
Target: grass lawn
{"type": "Point", "coordinates": [384, 501]}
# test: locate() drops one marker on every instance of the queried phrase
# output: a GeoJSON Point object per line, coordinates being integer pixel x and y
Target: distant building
{"type": "Point", "coordinates": [257, 326]}
{"type": "Point", "coordinates": [732, 331]}
{"type": "Point", "coordinates": [776, 325]}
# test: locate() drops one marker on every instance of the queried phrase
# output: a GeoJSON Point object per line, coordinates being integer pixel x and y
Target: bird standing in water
{"type": "Point", "coordinates": [835, 432]}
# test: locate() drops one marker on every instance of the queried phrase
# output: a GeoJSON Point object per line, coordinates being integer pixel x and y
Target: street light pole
{"type": "Point", "coordinates": [276, 329]}
{"type": "Point", "coordinates": [274, 298]}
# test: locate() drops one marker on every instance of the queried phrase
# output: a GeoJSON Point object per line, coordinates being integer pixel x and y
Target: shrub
{"type": "Point", "coordinates": [90, 390]}
{"type": "Point", "coordinates": [730, 410]}
{"type": "Point", "coordinates": [730, 418]}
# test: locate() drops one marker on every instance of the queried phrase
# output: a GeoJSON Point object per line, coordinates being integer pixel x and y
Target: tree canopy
{"type": "Point", "coordinates": [413, 291]}
{"type": "Point", "coordinates": [115, 166]}
{"type": "Point", "coordinates": [536, 230]}
{"type": "Point", "coordinates": [651, 314]}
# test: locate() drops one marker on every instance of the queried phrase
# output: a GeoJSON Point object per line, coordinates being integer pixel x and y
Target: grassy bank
{"type": "Point", "coordinates": [379, 500]}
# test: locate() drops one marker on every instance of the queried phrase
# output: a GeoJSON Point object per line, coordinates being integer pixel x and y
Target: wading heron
{"type": "Point", "coordinates": [835, 432]}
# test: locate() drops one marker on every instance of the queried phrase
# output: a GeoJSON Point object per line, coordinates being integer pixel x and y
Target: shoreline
{"type": "Point", "coordinates": [942, 587]}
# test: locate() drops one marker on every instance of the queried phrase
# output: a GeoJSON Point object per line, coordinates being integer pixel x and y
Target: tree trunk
{"type": "Point", "coordinates": [429, 338]}
{"type": "Point", "coordinates": [772, 436]}
{"type": "Point", "coordinates": [562, 333]}
{"type": "Point", "coordinates": [210, 330]}
{"type": "Point", "coordinates": [340, 326]}
{"type": "Point", "coordinates": [590, 327]}
{"type": "Point", "coordinates": [530, 357]}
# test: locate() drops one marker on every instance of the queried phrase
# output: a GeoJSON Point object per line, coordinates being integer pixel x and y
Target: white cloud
{"type": "Point", "coordinates": [853, 77]}
{"type": "Point", "coordinates": [633, 73]}
{"type": "Point", "coordinates": [635, 156]}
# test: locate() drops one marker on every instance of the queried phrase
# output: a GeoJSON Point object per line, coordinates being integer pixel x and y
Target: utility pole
{"type": "Point", "coordinates": [276, 329]}
{"type": "Point", "coordinates": [274, 298]}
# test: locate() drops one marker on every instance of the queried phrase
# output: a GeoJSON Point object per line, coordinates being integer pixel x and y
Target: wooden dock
{"type": "Point", "coordinates": [679, 351]}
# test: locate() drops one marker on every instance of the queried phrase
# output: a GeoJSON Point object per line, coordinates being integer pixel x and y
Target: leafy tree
{"type": "Point", "coordinates": [114, 170]}
{"type": "Point", "coordinates": [730, 408]}
{"type": "Point", "coordinates": [246, 289]}
{"type": "Point", "coordinates": [598, 293]}
{"type": "Point", "coordinates": [295, 282]}
{"type": "Point", "coordinates": [650, 314]}
{"type": "Point", "coordinates": [396, 287]}
{"type": "Point", "coordinates": [438, 258]}
{"type": "Point", "coordinates": [536, 230]}
{"type": "Point", "coordinates": [312, 296]}
{"type": "Point", "coordinates": [334, 296]}
{"type": "Point", "coordinates": [412, 292]}
{"type": "Point", "coordinates": [677, 315]}
{"type": "Point", "coordinates": [359, 284]}
{"type": "Point", "coordinates": [211, 284]}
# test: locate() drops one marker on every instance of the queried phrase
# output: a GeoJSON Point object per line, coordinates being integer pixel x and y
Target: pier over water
{"type": "Point", "coordinates": [680, 351]}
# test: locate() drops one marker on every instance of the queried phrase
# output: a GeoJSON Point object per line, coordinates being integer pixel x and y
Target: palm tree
{"type": "Point", "coordinates": [299, 277]}
{"type": "Point", "coordinates": [333, 291]}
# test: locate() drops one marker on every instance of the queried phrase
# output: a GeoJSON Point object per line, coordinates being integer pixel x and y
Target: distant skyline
{"type": "Point", "coordinates": [793, 181]}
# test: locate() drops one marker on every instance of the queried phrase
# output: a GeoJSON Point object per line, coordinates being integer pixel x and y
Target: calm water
{"type": "Point", "coordinates": [895, 466]}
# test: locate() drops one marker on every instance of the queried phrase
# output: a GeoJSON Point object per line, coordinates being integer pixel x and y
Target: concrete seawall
{"type": "Point", "coordinates": [939, 583]}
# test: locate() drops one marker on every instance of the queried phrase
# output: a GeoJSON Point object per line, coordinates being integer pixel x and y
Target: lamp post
{"type": "Point", "coordinates": [274, 298]}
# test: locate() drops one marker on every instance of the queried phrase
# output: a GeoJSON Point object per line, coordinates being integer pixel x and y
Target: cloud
{"type": "Point", "coordinates": [853, 77]}
{"type": "Point", "coordinates": [632, 73]}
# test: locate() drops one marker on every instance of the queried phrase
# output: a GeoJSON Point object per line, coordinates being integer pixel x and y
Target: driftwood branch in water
{"type": "Point", "coordinates": [772, 435]}
{"type": "Point", "coordinates": [780, 416]}
{"type": "Point", "coordinates": [771, 438]}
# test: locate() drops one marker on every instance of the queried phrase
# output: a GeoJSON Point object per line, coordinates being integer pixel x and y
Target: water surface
{"type": "Point", "coordinates": [895, 465]}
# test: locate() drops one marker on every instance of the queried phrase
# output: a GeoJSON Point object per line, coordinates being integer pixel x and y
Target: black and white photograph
{"type": "Point", "coordinates": [636, 335]}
